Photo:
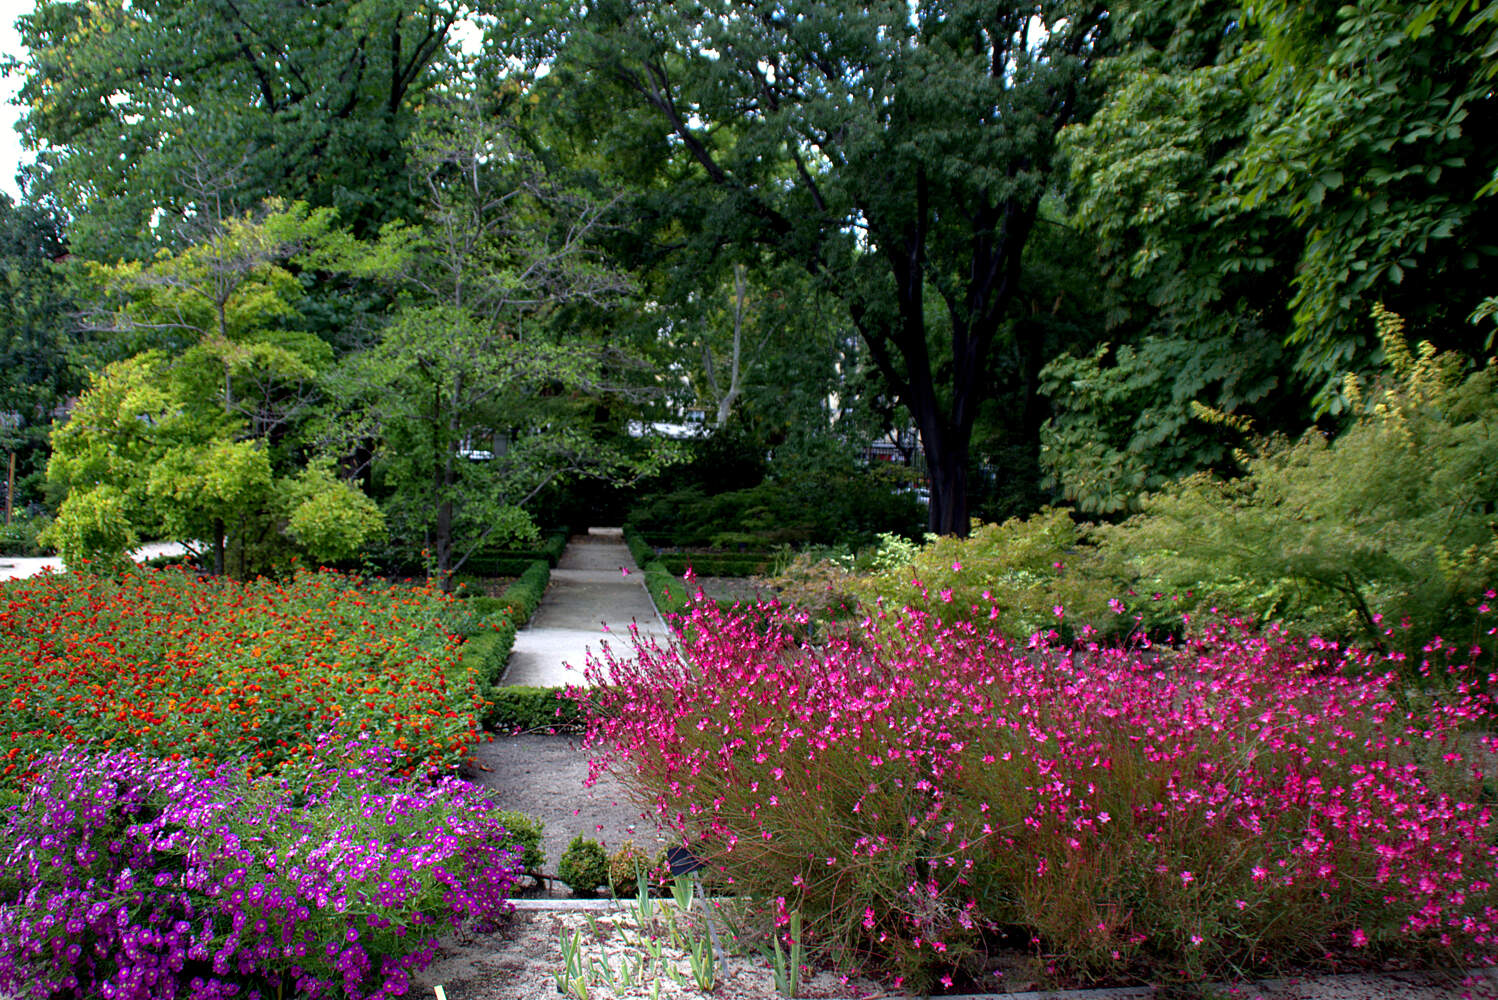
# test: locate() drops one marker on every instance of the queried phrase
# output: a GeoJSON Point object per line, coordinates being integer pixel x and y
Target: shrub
{"type": "Point", "coordinates": [19, 537]}
{"type": "Point", "coordinates": [1235, 803]}
{"type": "Point", "coordinates": [1013, 574]}
{"type": "Point", "coordinates": [520, 709]}
{"type": "Point", "coordinates": [811, 506]}
{"type": "Point", "coordinates": [716, 563]}
{"type": "Point", "coordinates": [639, 549]}
{"type": "Point", "coordinates": [524, 595]}
{"type": "Point", "coordinates": [139, 879]}
{"type": "Point", "coordinates": [626, 865]}
{"type": "Point", "coordinates": [584, 866]}
{"type": "Point", "coordinates": [1389, 522]}
{"type": "Point", "coordinates": [485, 655]}
{"type": "Point", "coordinates": [526, 833]}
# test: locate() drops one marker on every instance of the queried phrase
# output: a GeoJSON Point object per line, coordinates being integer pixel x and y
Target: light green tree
{"type": "Point", "coordinates": [193, 438]}
{"type": "Point", "coordinates": [147, 454]}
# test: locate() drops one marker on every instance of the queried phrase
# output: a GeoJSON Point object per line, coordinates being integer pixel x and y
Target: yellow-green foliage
{"type": "Point", "coordinates": [328, 517]}
{"type": "Point", "coordinates": [1390, 520]}
{"type": "Point", "coordinates": [1018, 572]}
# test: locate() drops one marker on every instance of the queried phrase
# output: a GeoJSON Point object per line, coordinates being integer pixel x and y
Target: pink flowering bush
{"type": "Point", "coordinates": [139, 879]}
{"type": "Point", "coordinates": [920, 790]}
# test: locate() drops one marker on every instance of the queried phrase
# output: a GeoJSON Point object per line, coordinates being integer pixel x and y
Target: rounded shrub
{"type": "Point", "coordinates": [626, 865]}
{"type": "Point", "coordinates": [584, 866]}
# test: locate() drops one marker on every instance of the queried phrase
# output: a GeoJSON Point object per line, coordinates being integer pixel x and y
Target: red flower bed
{"type": "Point", "coordinates": [213, 670]}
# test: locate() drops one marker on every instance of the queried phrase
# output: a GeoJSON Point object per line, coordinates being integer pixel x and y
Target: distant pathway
{"type": "Point", "coordinates": [595, 582]}
{"type": "Point", "coordinates": [541, 774]}
{"type": "Point", "coordinates": [21, 567]}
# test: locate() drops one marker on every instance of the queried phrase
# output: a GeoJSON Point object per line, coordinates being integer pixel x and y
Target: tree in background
{"type": "Point", "coordinates": [147, 113]}
{"type": "Point", "coordinates": [150, 452]}
{"type": "Point", "coordinates": [897, 152]}
{"type": "Point", "coordinates": [1194, 285]}
{"type": "Point", "coordinates": [476, 404]}
{"type": "Point", "coordinates": [194, 438]}
{"type": "Point", "coordinates": [37, 370]}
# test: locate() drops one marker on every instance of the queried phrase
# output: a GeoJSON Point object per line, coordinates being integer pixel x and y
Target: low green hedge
{"type": "Point", "coordinates": [668, 591]}
{"type": "Point", "coordinates": [524, 595]}
{"type": "Point", "coordinates": [639, 549]}
{"type": "Point", "coordinates": [491, 626]}
{"type": "Point", "coordinates": [512, 562]}
{"type": "Point", "coordinates": [487, 651]}
{"type": "Point", "coordinates": [516, 708]}
{"type": "Point", "coordinates": [717, 563]}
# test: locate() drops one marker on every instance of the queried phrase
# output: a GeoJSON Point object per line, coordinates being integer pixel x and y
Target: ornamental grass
{"type": "Point", "coordinates": [925, 793]}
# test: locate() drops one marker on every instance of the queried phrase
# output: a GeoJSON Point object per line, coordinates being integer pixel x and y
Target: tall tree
{"type": "Point", "coordinates": [474, 403]}
{"type": "Point", "coordinates": [37, 370]}
{"type": "Point", "coordinates": [897, 151]}
{"type": "Point", "coordinates": [145, 112]}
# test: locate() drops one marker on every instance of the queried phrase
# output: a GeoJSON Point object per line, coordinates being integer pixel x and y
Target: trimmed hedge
{"type": "Point", "coordinates": [487, 651]}
{"type": "Point", "coordinates": [639, 549]}
{"type": "Point", "coordinates": [702, 563]}
{"type": "Point", "coordinates": [533, 709]}
{"type": "Point", "coordinates": [716, 563]}
{"type": "Point", "coordinates": [524, 595]}
{"type": "Point", "coordinates": [491, 631]}
{"type": "Point", "coordinates": [669, 592]}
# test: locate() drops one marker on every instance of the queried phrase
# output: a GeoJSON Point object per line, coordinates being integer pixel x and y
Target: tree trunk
{"type": "Point", "coordinates": [218, 546]}
{"type": "Point", "coordinates": [946, 449]}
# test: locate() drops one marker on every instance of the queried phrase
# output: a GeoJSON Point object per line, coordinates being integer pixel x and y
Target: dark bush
{"type": "Point", "coordinates": [825, 507]}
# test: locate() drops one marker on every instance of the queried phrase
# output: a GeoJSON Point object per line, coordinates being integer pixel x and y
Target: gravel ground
{"type": "Point", "coordinates": [543, 776]}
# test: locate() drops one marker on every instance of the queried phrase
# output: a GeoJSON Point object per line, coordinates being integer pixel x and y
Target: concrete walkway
{"type": "Point", "coordinates": [21, 567]}
{"type": "Point", "coordinates": [595, 584]}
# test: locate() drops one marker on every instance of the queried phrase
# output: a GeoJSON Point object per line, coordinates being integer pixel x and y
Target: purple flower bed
{"type": "Point", "coordinates": [138, 879]}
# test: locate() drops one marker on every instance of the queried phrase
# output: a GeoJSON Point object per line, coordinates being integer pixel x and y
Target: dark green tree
{"type": "Point", "coordinates": [898, 152]}
{"type": "Point", "coordinates": [37, 375]}
{"type": "Point", "coordinates": [148, 112]}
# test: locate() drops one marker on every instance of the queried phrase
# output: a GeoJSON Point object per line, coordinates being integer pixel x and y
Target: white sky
{"type": "Point", "coordinates": [11, 155]}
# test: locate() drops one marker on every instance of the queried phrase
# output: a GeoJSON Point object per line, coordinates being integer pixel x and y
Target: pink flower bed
{"type": "Point", "coordinates": [923, 791]}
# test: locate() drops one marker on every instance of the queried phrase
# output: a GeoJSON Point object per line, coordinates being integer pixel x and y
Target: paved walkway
{"type": "Point", "coordinates": [595, 583]}
{"type": "Point", "coordinates": [21, 567]}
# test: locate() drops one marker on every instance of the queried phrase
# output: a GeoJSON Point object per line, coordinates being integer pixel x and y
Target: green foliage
{"type": "Point", "coordinates": [1387, 524]}
{"type": "Point", "coordinates": [626, 865]}
{"type": "Point", "coordinates": [329, 518]}
{"type": "Point", "coordinates": [37, 341]}
{"type": "Point", "coordinates": [818, 505]}
{"type": "Point", "coordinates": [524, 595]}
{"type": "Point", "coordinates": [716, 563]}
{"type": "Point", "coordinates": [670, 593]}
{"type": "Point", "coordinates": [150, 114]}
{"type": "Point", "coordinates": [485, 652]}
{"type": "Point", "coordinates": [1377, 134]}
{"type": "Point", "coordinates": [474, 404]}
{"type": "Point", "coordinates": [1015, 574]}
{"type": "Point", "coordinates": [1122, 421]}
{"type": "Point", "coordinates": [520, 709]}
{"type": "Point", "coordinates": [527, 832]}
{"type": "Point", "coordinates": [19, 537]}
{"type": "Point", "coordinates": [148, 452]}
{"type": "Point", "coordinates": [584, 866]}
{"type": "Point", "coordinates": [639, 549]}
{"type": "Point", "coordinates": [898, 153]}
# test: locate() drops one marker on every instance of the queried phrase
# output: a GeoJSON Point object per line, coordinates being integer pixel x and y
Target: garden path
{"type": "Point", "coordinates": [543, 774]}
{"type": "Point", "coordinates": [596, 592]}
